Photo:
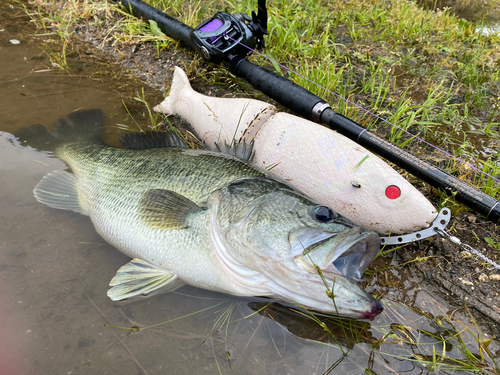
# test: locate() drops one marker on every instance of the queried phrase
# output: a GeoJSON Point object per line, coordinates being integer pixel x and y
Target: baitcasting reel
{"type": "Point", "coordinates": [223, 33]}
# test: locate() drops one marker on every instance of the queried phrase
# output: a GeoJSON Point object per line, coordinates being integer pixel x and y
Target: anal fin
{"type": "Point", "coordinates": [57, 189]}
{"type": "Point", "coordinates": [139, 278]}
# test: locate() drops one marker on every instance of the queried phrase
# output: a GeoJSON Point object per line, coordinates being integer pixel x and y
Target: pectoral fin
{"type": "Point", "coordinates": [165, 209]}
{"type": "Point", "coordinates": [139, 278]}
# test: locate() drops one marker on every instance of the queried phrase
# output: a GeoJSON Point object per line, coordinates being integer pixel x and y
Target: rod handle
{"type": "Point", "coordinates": [284, 91]}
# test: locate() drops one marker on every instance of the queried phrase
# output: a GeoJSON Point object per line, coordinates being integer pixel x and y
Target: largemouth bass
{"type": "Point", "coordinates": [205, 219]}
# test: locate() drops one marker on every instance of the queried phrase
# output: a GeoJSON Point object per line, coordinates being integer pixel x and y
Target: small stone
{"type": "Point", "coordinates": [466, 282]}
{"type": "Point", "coordinates": [472, 218]}
{"type": "Point", "coordinates": [483, 278]}
{"type": "Point", "coordinates": [495, 277]}
{"type": "Point", "coordinates": [15, 41]}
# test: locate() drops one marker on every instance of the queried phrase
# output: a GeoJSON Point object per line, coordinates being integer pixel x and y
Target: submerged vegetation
{"type": "Point", "coordinates": [407, 340]}
{"type": "Point", "coordinates": [429, 71]}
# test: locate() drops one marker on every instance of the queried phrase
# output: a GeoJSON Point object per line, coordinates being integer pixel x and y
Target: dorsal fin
{"type": "Point", "coordinates": [240, 149]}
{"type": "Point", "coordinates": [151, 139]}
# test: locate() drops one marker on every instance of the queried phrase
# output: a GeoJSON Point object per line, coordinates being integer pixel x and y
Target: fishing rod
{"type": "Point", "coordinates": [230, 38]}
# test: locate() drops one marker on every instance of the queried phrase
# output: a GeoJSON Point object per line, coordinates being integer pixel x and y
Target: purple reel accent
{"type": "Point", "coordinates": [213, 25]}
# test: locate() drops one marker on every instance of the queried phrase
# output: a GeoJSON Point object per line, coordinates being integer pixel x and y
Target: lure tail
{"type": "Point", "coordinates": [180, 88]}
{"type": "Point", "coordinates": [224, 120]}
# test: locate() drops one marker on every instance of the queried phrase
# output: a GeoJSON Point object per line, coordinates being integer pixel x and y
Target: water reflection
{"type": "Point", "coordinates": [485, 13]}
{"type": "Point", "coordinates": [476, 11]}
{"type": "Point", "coordinates": [324, 329]}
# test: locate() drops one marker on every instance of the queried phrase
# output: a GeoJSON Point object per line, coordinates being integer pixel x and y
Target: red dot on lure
{"type": "Point", "coordinates": [393, 192]}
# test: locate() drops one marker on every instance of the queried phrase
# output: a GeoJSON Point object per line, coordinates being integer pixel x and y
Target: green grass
{"type": "Point", "coordinates": [493, 243]}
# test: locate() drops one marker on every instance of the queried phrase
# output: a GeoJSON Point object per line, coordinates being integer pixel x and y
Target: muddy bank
{"type": "Point", "coordinates": [462, 278]}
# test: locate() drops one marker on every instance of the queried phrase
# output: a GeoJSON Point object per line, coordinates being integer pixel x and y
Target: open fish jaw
{"type": "Point", "coordinates": [336, 262]}
{"type": "Point", "coordinates": [350, 257]}
{"type": "Point", "coordinates": [355, 255]}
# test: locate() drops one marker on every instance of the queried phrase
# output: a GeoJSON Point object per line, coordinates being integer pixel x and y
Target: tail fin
{"type": "Point", "coordinates": [80, 124]}
{"type": "Point", "coordinates": [180, 82]}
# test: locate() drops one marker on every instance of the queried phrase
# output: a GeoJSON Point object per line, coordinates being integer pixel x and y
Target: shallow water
{"type": "Point", "coordinates": [55, 270]}
{"type": "Point", "coordinates": [477, 10]}
{"type": "Point", "coordinates": [482, 12]}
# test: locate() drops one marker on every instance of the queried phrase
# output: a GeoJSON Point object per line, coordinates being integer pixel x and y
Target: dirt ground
{"type": "Point", "coordinates": [461, 276]}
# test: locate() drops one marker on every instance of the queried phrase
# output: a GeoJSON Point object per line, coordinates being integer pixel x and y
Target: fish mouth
{"type": "Point", "coordinates": [348, 253]}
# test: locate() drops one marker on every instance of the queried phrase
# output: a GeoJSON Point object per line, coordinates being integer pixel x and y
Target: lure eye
{"type": "Point", "coordinates": [323, 214]}
{"type": "Point", "coordinates": [393, 192]}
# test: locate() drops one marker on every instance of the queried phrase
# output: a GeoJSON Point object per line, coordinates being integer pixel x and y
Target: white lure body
{"type": "Point", "coordinates": [325, 165]}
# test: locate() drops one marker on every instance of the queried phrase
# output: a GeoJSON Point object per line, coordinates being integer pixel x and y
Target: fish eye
{"type": "Point", "coordinates": [323, 214]}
